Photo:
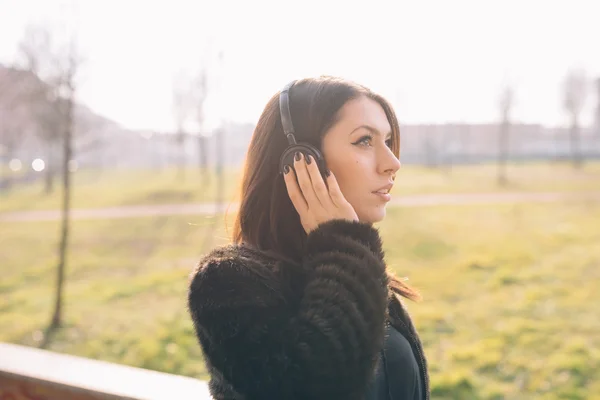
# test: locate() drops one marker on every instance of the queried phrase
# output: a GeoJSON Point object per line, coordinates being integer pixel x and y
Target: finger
{"type": "Point", "coordinates": [294, 191]}
{"type": "Point", "coordinates": [318, 183]}
{"type": "Point", "coordinates": [335, 193]}
{"type": "Point", "coordinates": [305, 183]}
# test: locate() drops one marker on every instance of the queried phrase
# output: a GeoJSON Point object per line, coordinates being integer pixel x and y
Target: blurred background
{"type": "Point", "coordinates": [124, 125]}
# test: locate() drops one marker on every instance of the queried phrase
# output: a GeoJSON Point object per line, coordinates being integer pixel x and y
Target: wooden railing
{"type": "Point", "coordinates": [33, 374]}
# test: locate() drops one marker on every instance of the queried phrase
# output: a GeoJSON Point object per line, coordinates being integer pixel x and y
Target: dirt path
{"type": "Point", "coordinates": [211, 208]}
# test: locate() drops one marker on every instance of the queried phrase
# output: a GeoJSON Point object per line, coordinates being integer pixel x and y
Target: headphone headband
{"type": "Point", "coordinates": [286, 116]}
{"type": "Point", "coordinates": [287, 157]}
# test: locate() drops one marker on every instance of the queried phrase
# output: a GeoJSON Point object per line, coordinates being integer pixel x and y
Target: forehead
{"type": "Point", "coordinates": [363, 111]}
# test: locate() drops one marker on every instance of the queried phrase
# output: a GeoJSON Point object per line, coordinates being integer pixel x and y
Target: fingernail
{"type": "Point", "coordinates": [286, 169]}
{"type": "Point", "coordinates": [308, 159]}
{"type": "Point", "coordinates": [327, 172]}
{"type": "Point", "coordinates": [298, 156]}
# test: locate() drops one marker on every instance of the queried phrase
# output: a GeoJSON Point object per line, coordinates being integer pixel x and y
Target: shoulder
{"type": "Point", "coordinates": [233, 260]}
{"type": "Point", "coordinates": [231, 272]}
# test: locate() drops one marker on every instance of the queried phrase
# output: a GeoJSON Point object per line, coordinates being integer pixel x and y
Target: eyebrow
{"type": "Point", "coordinates": [370, 129]}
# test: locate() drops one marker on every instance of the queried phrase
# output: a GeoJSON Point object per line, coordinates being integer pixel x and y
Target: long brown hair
{"type": "Point", "coordinates": [266, 218]}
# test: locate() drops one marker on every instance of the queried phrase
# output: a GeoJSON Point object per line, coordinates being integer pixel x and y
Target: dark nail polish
{"type": "Point", "coordinates": [286, 169]}
{"type": "Point", "coordinates": [327, 172]}
{"type": "Point", "coordinates": [308, 159]}
{"type": "Point", "coordinates": [298, 156]}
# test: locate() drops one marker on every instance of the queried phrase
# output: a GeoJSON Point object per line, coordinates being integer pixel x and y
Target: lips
{"type": "Point", "coordinates": [384, 189]}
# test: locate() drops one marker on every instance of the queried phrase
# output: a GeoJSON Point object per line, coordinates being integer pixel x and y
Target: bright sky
{"type": "Point", "coordinates": [437, 61]}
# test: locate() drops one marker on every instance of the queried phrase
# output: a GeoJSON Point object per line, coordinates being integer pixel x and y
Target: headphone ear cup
{"type": "Point", "coordinates": [287, 158]}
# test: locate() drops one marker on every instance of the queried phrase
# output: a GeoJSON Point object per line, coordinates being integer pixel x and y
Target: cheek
{"type": "Point", "coordinates": [350, 173]}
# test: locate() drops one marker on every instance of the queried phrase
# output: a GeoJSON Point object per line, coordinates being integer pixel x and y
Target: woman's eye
{"type": "Point", "coordinates": [365, 141]}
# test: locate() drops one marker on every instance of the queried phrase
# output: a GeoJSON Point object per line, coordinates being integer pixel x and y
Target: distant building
{"type": "Point", "coordinates": [102, 143]}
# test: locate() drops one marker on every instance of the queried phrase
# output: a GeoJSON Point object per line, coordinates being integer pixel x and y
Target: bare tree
{"type": "Point", "coordinates": [220, 142]}
{"type": "Point", "coordinates": [200, 94]}
{"type": "Point", "coordinates": [36, 52]}
{"type": "Point", "coordinates": [56, 64]}
{"type": "Point", "coordinates": [69, 64]}
{"type": "Point", "coordinates": [182, 107]}
{"type": "Point", "coordinates": [506, 103]}
{"type": "Point", "coordinates": [575, 93]}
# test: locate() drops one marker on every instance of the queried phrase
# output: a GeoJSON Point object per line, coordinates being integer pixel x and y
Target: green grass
{"type": "Point", "coordinates": [510, 308]}
{"type": "Point", "coordinates": [94, 189]}
{"type": "Point", "coordinates": [125, 290]}
{"type": "Point", "coordinates": [116, 188]}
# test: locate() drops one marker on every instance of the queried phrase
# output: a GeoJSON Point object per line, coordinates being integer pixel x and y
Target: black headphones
{"type": "Point", "coordinates": [287, 158]}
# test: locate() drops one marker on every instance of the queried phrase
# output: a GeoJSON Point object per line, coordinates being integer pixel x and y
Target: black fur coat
{"type": "Point", "coordinates": [275, 329]}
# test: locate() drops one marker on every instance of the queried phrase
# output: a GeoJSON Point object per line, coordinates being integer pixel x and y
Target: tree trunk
{"type": "Point", "coordinates": [220, 151]}
{"type": "Point", "coordinates": [428, 151]}
{"type": "Point", "coordinates": [503, 153]}
{"type": "Point", "coordinates": [220, 185]}
{"type": "Point", "coordinates": [203, 160]}
{"type": "Point", "coordinates": [5, 178]}
{"type": "Point", "coordinates": [49, 170]}
{"type": "Point", "coordinates": [181, 169]}
{"type": "Point", "coordinates": [66, 205]}
{"type": "Point", "coordinates": [182, 157]}
{"type": "Point", "coordinates": [575, 138]}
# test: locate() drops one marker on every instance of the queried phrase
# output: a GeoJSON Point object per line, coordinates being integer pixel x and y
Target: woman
{"type": "Point", "coordinates": [301, 305]}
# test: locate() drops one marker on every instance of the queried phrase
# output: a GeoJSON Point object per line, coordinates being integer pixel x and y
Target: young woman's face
{"type": "Point", "coordinates": [357, 150]}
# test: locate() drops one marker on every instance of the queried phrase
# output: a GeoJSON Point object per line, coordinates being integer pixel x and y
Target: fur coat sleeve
{"type": "Point", "coordinates": [263, 339]}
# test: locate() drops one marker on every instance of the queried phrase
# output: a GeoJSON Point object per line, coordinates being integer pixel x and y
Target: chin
{"type": "Point", "coordinates": [372, 216]}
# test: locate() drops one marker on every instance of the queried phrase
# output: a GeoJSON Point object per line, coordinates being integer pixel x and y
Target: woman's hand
{"type": "Point", "coordinates": [315, 201]}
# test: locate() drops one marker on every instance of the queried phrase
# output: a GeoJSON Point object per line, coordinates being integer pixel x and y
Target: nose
{"type": "Point", "coordinates": [388, 163]}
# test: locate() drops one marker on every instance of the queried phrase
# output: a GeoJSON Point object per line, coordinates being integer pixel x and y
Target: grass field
{"type": "Point", "coordinates": [116, 188]}
{"type": "Point", "coordinates": [510, 307]}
